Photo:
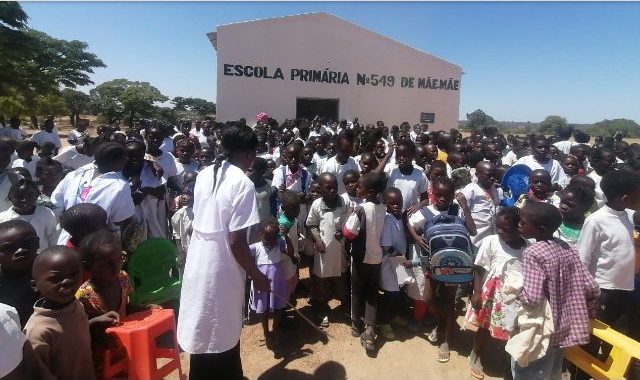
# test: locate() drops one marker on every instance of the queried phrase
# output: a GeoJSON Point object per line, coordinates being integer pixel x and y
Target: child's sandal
{"type": "Point", "coordinates": [368, 341]}
{"type": "Point", "coordinates": [476, 366]}
{"type": "Point", "coordinates": [443, 355]}
{"type": "Point", "coordinates": [432, 337]}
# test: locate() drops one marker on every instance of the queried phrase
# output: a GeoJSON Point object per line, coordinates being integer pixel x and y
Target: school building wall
{"type": "Point", "coordinates": [265, 65]}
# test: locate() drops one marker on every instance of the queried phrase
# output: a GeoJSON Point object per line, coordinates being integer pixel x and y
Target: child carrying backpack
{"type": "Point", "coordinates": [447, 255]}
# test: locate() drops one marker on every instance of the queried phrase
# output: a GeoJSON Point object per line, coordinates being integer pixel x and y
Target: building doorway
{"type": "Point", "coordinates": [308, 108]}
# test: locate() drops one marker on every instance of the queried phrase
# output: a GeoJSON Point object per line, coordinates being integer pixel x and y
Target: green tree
{"type": "Point", "coordinates": [165, 114]}
{"type": "Point", "coordinates": [120, 98]}
{"type": "Point", "coordinates": [551, 124]}
{"type": "Point", "coordinates": [15, 44]}
{"type": "Point", "coordinates": [478, 119]}
{"type": "Point", "coordinates": [77, 102]}
{"type": "Point", "coordinates": [50, 104]}
{"type": "Point", "coordinates": [34, 64]}
{"type": "Point", "coordinates": [200, 107]}
{"type": "Point", "coordinates": [628, 128]}
{"type": "Point", "coordinates": [12, 15]}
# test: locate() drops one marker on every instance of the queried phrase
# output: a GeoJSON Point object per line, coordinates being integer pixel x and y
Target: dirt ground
{"type": "Point", "coordinates": [307, 355]}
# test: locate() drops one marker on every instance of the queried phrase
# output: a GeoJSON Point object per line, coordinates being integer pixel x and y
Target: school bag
{"type": "Point", "coordinates": [274, 202]}
{"type": "Point", "coordinates": [451, 254]}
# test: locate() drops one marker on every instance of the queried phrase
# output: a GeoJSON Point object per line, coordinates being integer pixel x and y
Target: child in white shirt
{"type": "Point", "coordinates": [326, 218]}
{"type": "Point", "coordinates": [540, 160]}
{"type": "Point", "coordinates": [181, 223]}
{"type": "Point", "coordinates": [411, 181]}
{"type": "Point", "coordinates": [607, 248]}
{"type": "Point", "coordinates": [350, 181]}
{"type": "Point", "coordinates": [394, 246]}
{"type": "Point", "coordinates": [23, 196]}
{"type": "Point", "coordinates": [364, 227]}
{"type": "Point", "coordinates": [47, 135]}
{"type": "Point", "coordinates": [26, 159]}
{"type": "Point", "coordinates": [293, 177]}
{"type": "Point", "coordinates": [497, 255]}
{"type": "Point", "coordinates": [483, 200]}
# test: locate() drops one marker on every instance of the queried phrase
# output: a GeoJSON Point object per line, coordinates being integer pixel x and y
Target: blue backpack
{"type": "Point", "coordinates": [451, 253]}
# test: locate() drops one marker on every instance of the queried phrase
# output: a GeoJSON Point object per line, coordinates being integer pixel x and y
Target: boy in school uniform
{"type": "Point", "coordinates": [394, 246]}
{"type": "Point", "coordinates": [411, 181]}
{"type": "Point", "coordinates": [364, 227]}
{"type": "Point", "coordinates": [326, 218]}
{"type": "Point", "coordinates": [607, 248]}
{"type": "Point", "coordinates": [553, 272]}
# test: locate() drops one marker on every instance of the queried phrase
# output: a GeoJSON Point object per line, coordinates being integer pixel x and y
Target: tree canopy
{"type": "Point", "coordinates": [121, 98]}
{"type": "Point", "coordinates": [628, 128]}
{"type": "Point", "coordinates": [76, 102]}
{"type": "Point", "coordinates": [34, 65]}
{"type": "Point", "coordinates": [478, 119]}
{"type": "Point", "coordinates": [551, 124]}
{"type": "Point", "coordinates": [201, 107]}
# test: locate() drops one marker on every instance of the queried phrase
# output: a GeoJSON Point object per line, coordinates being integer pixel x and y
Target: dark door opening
{"type": "Point", "coordinates": [308, 108]}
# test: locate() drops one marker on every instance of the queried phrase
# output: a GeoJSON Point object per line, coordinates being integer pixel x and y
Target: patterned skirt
{"type": "Point", "coordinates": [489, 316]}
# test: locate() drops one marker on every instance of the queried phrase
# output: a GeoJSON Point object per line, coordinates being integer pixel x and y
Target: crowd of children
{"type": "Point", "coordinates": [358, 204]}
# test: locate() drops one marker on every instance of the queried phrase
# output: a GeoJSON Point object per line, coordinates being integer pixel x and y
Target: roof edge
{"type": "Point", "coordinates": [214, 34]}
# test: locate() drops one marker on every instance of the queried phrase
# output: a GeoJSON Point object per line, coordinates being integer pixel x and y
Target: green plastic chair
{"type": "Point", "coordinates": [154, 271]}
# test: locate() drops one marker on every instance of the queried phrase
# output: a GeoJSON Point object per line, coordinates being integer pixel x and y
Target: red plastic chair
{"type": "Point", "coordinates": [138, 333]}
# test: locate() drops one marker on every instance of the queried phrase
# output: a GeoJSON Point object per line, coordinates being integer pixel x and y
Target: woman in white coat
{"type": "Point", "coordinates": [211, 302]}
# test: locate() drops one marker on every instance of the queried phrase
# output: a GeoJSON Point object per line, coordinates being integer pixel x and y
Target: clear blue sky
{"type": "Point", "coordinates": [522, 61]}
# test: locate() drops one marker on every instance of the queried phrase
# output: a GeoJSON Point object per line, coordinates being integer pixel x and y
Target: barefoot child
{"type": "Point", "coordinates": [58, 330]}
{"type": "Point", "coordinates": [105, 295]}
{"type": "Point", "coordinates": [497, 254]}
{"type": "Point", "coordinates": [270, 256]}
{"type": "Point", "coordinates": [364, 227]}
{"type": "Point", "coordinates": [326, 218]}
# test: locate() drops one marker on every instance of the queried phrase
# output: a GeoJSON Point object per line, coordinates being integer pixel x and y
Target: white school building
{"type": "Point", "coordinates": [319, 64]}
